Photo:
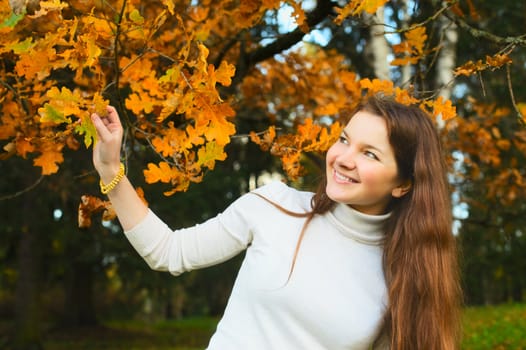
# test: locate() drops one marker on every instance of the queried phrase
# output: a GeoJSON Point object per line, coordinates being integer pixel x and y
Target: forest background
{"type": "Point", "coordinates": [218, 96]}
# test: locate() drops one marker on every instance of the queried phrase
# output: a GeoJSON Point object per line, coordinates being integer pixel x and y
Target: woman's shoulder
{"type": "Point", "coordinates": [284, 195]}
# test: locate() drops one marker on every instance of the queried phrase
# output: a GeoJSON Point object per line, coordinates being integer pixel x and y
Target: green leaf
{"type": "Point", "coordinates": [50, 114]}
{"type": "Point", "coordinates": [87, 129]}
{"type": "Point", "coordinates": [136, 17]}
{"type": "Point", "coordinates": [22, 46]}
{"type": "Point", "coordinates": [12, 20]}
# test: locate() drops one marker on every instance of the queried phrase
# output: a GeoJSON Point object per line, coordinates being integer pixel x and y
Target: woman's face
{"type": "Point", "coordinates": [361, 166]}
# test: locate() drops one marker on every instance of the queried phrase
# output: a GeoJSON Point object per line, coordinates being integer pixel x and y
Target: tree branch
{"type": "Point", "coordinates": [246, 61]}
{"type": "Point", "coordinates": [21, 192]}
{"type": "Point", "coordinates": [482, 34]}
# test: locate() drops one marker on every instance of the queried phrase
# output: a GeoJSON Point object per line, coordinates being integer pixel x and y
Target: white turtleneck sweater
{"type": "Point", "coordinates": [335, 296]}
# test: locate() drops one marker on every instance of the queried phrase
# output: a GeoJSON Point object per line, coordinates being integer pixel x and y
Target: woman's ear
{"type": "Point", "coordinates": [402, 189]}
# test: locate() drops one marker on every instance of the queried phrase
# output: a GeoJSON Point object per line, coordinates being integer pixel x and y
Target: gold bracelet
{"type": "Point", "coordinates": [105, 189]}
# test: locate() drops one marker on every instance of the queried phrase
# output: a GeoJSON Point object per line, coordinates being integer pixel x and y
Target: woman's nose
{"type": "Point", "coordinates": [347, 160]}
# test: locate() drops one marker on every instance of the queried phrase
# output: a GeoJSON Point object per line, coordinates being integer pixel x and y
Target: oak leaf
{"type": "Point", "coordinates": [498, 60]}
{"type": "Point", "coordinates": [412, 49]}
{"type": "Point", "coordinates": [85, 127]}
{"type": "Point", "coordinates": [24, 147]}
{"type": "Point", "coordinates": [49, 159]}
{"type": "Point", "coordinates": [355, 7]}
{"type": "Point", "coordinates": [266, 141]}
{"type": "Point", "coordinates": [299, 15]}
{"type": "Point", "coordinates": [208, 155]}
{"type": "Point", "coordinates": [88, 206]}
{"type": "Point", "coordinates": [156, 173]}
{"type": "Point", "coordinates": [224, 73]}
{"type": "Point", "coordinates": [443, 108]}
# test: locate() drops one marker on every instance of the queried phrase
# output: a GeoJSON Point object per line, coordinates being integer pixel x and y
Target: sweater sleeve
{"type": "Point", "coordinates": [214, 241]}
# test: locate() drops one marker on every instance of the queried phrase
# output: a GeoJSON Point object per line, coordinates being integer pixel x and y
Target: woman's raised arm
{"type": "Point", "coordinates": [128, 205]}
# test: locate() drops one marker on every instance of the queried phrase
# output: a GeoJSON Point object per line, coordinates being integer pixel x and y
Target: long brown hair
{"type": "Point", "coordinates": [420, 255]}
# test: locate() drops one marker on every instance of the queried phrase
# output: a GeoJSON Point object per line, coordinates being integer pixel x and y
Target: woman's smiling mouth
{"type": "Point", "coordinates": [342, 178]}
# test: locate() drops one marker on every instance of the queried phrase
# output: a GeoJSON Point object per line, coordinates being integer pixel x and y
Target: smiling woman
{"type": "Point", "coordinates": [368, 260]}
{"type": "Point", "coordinates": [420, 260]}
{"type": "Point", "coordinates": [361, 166]}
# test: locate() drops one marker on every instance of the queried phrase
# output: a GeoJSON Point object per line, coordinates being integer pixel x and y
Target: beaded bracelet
{"type": "Point", "coordinates": [105, 189]}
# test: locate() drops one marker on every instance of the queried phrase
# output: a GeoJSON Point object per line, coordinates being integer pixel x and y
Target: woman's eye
{"type": "Point", "coordinates": [342, 139]}
{"type": "Point", "coordinates": [370, 155]}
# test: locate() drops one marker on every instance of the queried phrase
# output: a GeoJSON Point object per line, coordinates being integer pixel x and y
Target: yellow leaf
{"type": "Point", "coordinates": [412, 49]}
{"type": "Point", "coordinates": [49, 159]}
{"type": "Point", "coordinates": [376, 85]}
{"type": "Point", "coordinates": [219, 129]}
{"type": "Point", "coordinates": [169, 5]}
{"type": "Point", "coordinates": [136, 17]}
{"type": "Point", "coordinates": [207, 155]}
{"type": "Point", "coordinates": [522, 109]}
{"type": "Point", "coordinates": [154, 173]}
{"type": "Point", "coordinates": [224, 73]}
{"type": "Point", "coordinates": [327, 109]}
{"type": "Point", "coordinates": [355, 7]}
{"type": "Point", "coordinates": [47, 6]}
{"type": "Point", "coordinates": [416, 39]}
{"type": "Point", "coordinates": [199, 14]}
{"type": "Point", "coordinates": [444, 109]}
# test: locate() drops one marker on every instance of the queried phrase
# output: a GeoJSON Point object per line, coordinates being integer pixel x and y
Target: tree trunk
{"type": "Point", "coordinates": [447, 57]}
{"type": "Point", "coordinates": [26, 334]}
{"type": "Point", "coordinates": [79, 284]}
{"type": "Point", "coordinates": [377, 47]}
{"type": "Point", "coordinates": [79, 301]}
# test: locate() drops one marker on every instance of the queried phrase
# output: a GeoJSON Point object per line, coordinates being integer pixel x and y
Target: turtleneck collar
{"type": "Point", "coordinates": [363, 228]}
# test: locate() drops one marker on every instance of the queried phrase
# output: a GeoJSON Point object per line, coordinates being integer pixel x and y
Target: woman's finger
{"type": "Point", "coordinates": [102, 129]}
{"type": "Point", "coordinates": [113, 116]}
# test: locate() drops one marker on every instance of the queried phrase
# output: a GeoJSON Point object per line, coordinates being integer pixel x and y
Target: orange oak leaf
{"type": "Point", "coordinates": [355, 7]}
{"type": "Point", "coordinates": [299, 15]}
{"type": "Point", "coordinates": [224, 73]}
{"type": "Point", "coordinates": [443, 108]}
{"type": "Point", "coordinates": [498, 60]}
{"type": "Point", "coordinates": [155, 173]}
{"type": "Point", "coordinates": [470, 68]}
{"type": "Point", "coordinates": [412, 49]}
{"type": "Point", "coordinates": [219, 129]}
{"type": "Point", "coordinates": [377, 85]}
{"type": "Point", "coordinates": [90, 205]}
{"type": "Point", "coordinates": [266, 141]}
{"type": "Point", "coordinates": [24, 146]}
{"type": "Point", "coordinates": [50, 158]}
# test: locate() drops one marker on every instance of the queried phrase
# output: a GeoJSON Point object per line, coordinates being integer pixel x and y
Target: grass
{"type": "Point", "coordinates": [501, 327]}
{"type": "Point", "coordinates": [187, 334]}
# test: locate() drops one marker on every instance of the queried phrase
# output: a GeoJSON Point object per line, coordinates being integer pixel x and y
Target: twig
{"type": "Point", "coordinates": [512, 95]}
{"type": "Point", "coordinates": [21, 192]}
{"type": "Point", "coordinates": [477, 33]}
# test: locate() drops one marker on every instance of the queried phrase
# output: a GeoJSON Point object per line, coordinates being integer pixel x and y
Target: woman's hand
{"type": "Point", "coordinates": [107, 148]}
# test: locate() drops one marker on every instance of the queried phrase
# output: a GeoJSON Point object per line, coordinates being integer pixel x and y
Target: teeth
{"type": "Point", "coordinates": [343, 177]}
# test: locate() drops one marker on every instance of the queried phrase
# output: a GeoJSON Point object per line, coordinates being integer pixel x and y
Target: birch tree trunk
{"type": "Point", "coordinates": [377, 48]}
{"type": "Point", "coordinates": [446, 57]}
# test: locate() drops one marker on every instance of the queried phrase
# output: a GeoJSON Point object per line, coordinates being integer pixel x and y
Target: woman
{"type": "Point", "coordinates": [368, 261]}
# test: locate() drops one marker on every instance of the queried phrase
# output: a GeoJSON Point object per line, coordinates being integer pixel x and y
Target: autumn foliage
{"type": "Point", "coordinates": [177, 83]}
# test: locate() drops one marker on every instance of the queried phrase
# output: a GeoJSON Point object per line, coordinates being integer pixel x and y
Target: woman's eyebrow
{"type": "Point", "coordinates": [366, 145]}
